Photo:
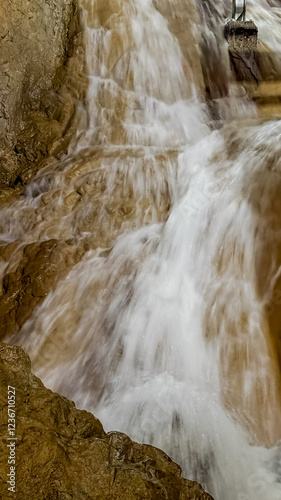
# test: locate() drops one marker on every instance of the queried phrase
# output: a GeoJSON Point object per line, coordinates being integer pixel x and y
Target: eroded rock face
{"type": "Point", "coordinates": [38, 268]}
{"type": "Point", "coordinates": [242, 350]}
{"type": "Point", "coordinates": [41, 45]}
{"type": "Point", "coordinates": [64, 453]}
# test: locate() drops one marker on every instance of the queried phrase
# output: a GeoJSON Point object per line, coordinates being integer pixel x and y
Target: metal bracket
{"type": "Point", "coordinates": [239, 10]}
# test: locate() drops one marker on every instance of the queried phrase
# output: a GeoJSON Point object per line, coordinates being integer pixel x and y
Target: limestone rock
{"type": "Point", "coordinates": [40, 40]}
{"type": "Point", "coordinates": [64, 453]}
{"type": "Point", "coordinates": [39, 267]}
{"type": "Point", "coordinates": [242, 38]}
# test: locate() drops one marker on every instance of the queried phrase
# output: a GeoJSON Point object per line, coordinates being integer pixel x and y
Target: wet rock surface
{"type": "Point", "coordinates": [181, 15]}
{"type": "Point", "coordinates": [241, 35]}
{"type": "Point", "coordinates": [41, 61]}
{"type": "Point", "coordinates": [35, 271]}
{"type": "Point", "coordinates": [64, 453]}
{"type": "Point", "coordinates": [88, 212]}
{"type": "Point", "coordinates": [242, 38]}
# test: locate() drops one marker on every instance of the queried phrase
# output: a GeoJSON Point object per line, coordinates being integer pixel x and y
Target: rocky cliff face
{"type": "Point", "coordinates": [42, 79]}
{"type": "Point", "coordinates": [41, 44]}
{"type": "Point", "coordinates": [64, 453]}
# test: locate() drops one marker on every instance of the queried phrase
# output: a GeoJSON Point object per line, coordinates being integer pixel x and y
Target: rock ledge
{"type": "Point", "coordinates": [63, 453]}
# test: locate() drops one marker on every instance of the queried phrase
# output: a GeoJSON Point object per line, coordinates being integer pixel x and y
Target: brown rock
{"type": "Point", "coordinates": [39, 269]}
{"type": "Point", "coordinates": [182, 17]}
{"type": "Point", "coordinates": [40, 41]}
{"type": "Point", "coordinates": [245, 66]}
{"type": "Point", "coordinates": [64, 453]}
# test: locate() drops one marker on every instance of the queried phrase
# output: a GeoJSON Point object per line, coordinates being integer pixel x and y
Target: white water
{"type": "Point", "coordinates": [267, 20]}
{"type": "Point", "coordinates": [149, 336]}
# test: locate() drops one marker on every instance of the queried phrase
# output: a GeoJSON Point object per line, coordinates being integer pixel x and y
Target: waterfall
{"type": "Point", "coordinates": [161, 329]}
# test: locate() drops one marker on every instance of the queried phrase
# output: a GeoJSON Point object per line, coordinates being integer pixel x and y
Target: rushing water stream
{"type": "Point", "coordinates": [160, 328]}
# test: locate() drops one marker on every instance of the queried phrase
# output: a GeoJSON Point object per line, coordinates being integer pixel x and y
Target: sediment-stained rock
{"type": "Point", "coordinates": [183, 17]}
{"type": "Point", "coordinates": [94, 205]}
{"type": "Point", "coordinates": [63, 453]}
{"type": "Point", "coordinates": [41, 61]}
{"type": "Point", "coordinates": [38, 269]}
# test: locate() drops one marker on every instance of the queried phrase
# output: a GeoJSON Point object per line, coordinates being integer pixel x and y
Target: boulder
{"type": "Point", "coordinates": [64, 453]}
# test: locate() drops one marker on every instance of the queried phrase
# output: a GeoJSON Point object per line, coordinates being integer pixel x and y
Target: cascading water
{"type": "Point", "coordinates": [160, 328]}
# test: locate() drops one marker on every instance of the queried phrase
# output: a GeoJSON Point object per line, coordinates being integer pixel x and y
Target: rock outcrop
{"type": "Point", "coordinates": [41, 77]}
{"type": "Point", "coordinates": [183, 20]}
{"type": "Point", "coordinates": [63, 453]}
{"type": "Point", "coordinates": [38, 268]}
